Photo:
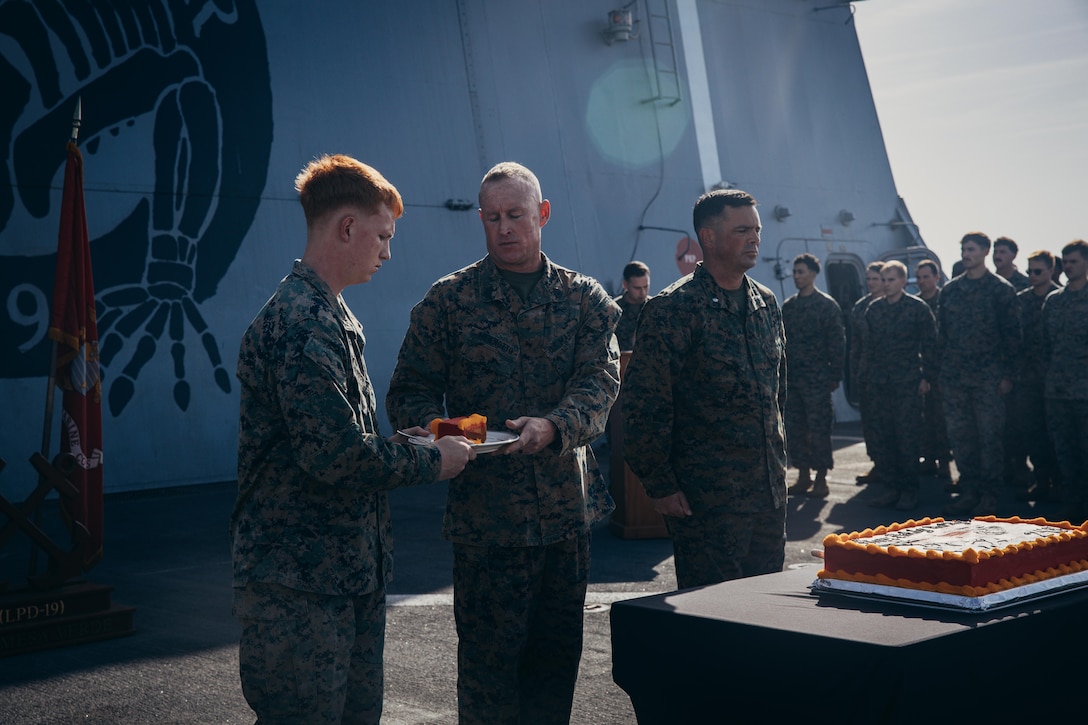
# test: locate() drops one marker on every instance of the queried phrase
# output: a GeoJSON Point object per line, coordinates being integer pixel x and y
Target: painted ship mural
{"type": "Point", "coordinates": [197, 116]}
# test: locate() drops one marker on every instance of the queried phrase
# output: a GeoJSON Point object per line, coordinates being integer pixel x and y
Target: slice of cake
{"type": "Point", "coordinates": [473, 427]}
{"type": "Point", "coordinates": [967, 558]}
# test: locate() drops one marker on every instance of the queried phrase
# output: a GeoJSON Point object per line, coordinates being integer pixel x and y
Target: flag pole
{"type": "Point", "coordinates": [47, 428]}
{"type": "Point", "coordinates": [47, 424]}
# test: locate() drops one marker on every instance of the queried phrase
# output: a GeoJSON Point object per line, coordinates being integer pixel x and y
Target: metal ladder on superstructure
{"type": "Point", "coordinates": [666, 70]}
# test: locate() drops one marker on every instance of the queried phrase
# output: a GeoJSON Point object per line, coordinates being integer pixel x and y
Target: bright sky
{"type": "Point", "coordinates": [984, 109]}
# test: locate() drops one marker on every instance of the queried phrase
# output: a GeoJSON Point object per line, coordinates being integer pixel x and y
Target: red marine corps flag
{"type": "Point", "coordinates": [74, 329]}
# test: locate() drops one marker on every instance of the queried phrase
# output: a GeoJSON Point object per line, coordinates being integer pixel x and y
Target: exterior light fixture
{"type": "Point", "coordinates": [781, 212]}
{"type": "Point", "coordinates": [620, 26]}
{"type": "Point", "coordinates": [845, 217]}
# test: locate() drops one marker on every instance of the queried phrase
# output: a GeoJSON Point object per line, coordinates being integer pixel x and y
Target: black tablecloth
{"type": "Point", "coordinates": [767, 646]}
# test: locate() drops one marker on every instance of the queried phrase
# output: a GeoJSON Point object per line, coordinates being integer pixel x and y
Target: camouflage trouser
{"type": "Point", "coordinates": [976, 430]}
{"type": "Point", "coordinates": [1032, 439]}
{"type": "Point", "coordinates": [865, 412]}
{"type": "Point", "coordinates": [1067, 421]}
{"type": "Point", "coordinates": [935, 445]}
{"type": "Point", "coordinates": [716, 546]}
{"type": "Point", "coordinates": [519, 630]}
{"type": "Point", "coordinates": [1016, 473]}
{"type": "Point", "coordinates": [808, 420]}
{"type": "Point", "coordinates": [896, 428]}
{"type": "Point", "coordinates": [311, 658]}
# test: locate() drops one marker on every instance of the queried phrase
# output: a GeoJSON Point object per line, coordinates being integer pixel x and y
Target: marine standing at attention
{"type": "Point", "coordinates": [936, 452]}
{"type": "Point", "coordinates": [1029, 396]}
{"type": "Point", "coordinates": [978, 350]}
{"type": "Point", "coordinates": [901, 333]}
{"type": "Point", "coordinates": [1065, 318]}
{"type": "Point", "coordinates": [815, 347]}
{"type": "Point", "coordinates": [312, 538]}
{"type": "Point", "coordinates": [702, 399]}
{"type": "Point", "coordinates": [531, 346]}
{"type": "Point", "coordinates": [636, 290]}
{"type": "Point", "coordinates": [856, 342]}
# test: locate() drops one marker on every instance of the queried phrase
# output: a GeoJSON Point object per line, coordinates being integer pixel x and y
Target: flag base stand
{"type": "Point", "coordinates": [58, 607]}
{"type": "Point", "coordinates": [74, 613]}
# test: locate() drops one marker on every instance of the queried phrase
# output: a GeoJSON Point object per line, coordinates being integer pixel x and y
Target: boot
{"type": "Point", "coordinates": [804, 483]}
{"type": "Point", "coordinates": [908, 500]}
{"type": "Point", "coordinates": [819, 488]}
{"type": "Point", "coordinates": [886, 500]}
{"type": "Point", "coordinates": [967, 502]}
{"type": "Point", "coordinates": [873, 476]}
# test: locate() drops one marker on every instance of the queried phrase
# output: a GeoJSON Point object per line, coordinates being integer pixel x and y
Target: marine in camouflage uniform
{"type": "Point", "coordinates": [311, 532]}
{"type": "Point", "coordinates": [702, 397]}
{"type": "Point", "coordinates": [1016, 472]}
{"type": "Point", "coordinates": [815, 348]}
{"type": "Point", "coordinates": [625, 329]}
{"type": "Point", "coordinates": [636, 290]}
{"type": "Point", "coordinates": [901, 333]}
{"type": "Point", "coordinates": [516, 338]}
{"type": "Point", "coordinates": [978, 348]}
{"type": "Point", "coordinates": [935, 447]}
{"type": "Point", "coordinates": [1030, 438]}
{"type": "Point", "coordinates": [1064, 314]}
{"type": "Point", "coordinates": [856, 343]}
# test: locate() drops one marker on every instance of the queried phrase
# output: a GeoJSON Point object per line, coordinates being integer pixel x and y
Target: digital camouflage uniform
{"type": "Point", "coordinates": [978, 345]}
{"type": "Point", "coordinates": [901, 337]}
{"type": "Point", "coordinates": [311, 530]}
{"type": "Point", "coordinates": [520, 523]}
{"type": "Point", "coordinates": [1018, 280]}
{"type": "Point", "coordinates": [625, 329]}
{"type": "Point", "coordinates": [815, 349]}
{"type": "Point", "coordinates": [1016, 473]}
{"type": "Point", "coordinates": [1065, 318]}
{"type": "Point", "coordinates": [858, 379]}
{"type": "Point", "coordinates": [1030, 438]}
{"type": "Point", "coordinates": [935, 446]}
{"type": "Point", "coordinates": [702, 400]}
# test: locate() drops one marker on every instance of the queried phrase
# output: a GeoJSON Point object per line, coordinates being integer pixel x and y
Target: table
{"type": "Point", "coordinates": [765, 648]}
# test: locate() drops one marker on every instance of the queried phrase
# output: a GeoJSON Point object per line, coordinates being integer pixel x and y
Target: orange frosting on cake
{"type": "Point", "coordinates": [473, 427]}
{"type": "Point", "coordinates": [1000, 553]}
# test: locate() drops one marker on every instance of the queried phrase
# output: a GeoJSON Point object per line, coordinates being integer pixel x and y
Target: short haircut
{"type": "Point", "coordinates": [511, 170]}
{"type": "Point", "coordinates": [635, 269]}
{"type": "Point", "coordinates": [1077, 245]}
{"type": "Point", "coordinates": [711, 205]}
{"type": "Point", "coordinates": [809, 260]}
{"type": "Point", "coordinates": [331, 182]}
{"type": "Point", "coordinates": [1042, 256]}
{"type": "Point", "coordinates": [899, 268]}
{"type": "Point", "coordinates": [874, 267]}
{"type": "Point", "coordinates": [931, 265]}
{"type": "Point", "coordinates": [1006, 242]}
{"type": "Point", "coordinates": [978, 238]}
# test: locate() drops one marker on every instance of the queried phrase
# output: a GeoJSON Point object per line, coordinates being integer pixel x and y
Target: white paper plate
{"type": "Point", "coordinates": [496, 439]}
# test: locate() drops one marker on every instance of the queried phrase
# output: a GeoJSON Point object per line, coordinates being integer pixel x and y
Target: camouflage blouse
{"type": "Point", "coordinates": [473, 346]}
{"type": "Point", "coordinates": [703, 396]}
{"type": "Point", "coordinates": [312, 512]}
{"type": "Point", "coordinates": [815, 340]}
{"type": "Point", "coordinates": [1065, 317]}
{"type": "Point", "coordinates": [978, 331]}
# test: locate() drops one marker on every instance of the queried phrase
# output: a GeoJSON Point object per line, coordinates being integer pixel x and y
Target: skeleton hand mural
{"type": "Point", "coordinates": [180, 91]}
